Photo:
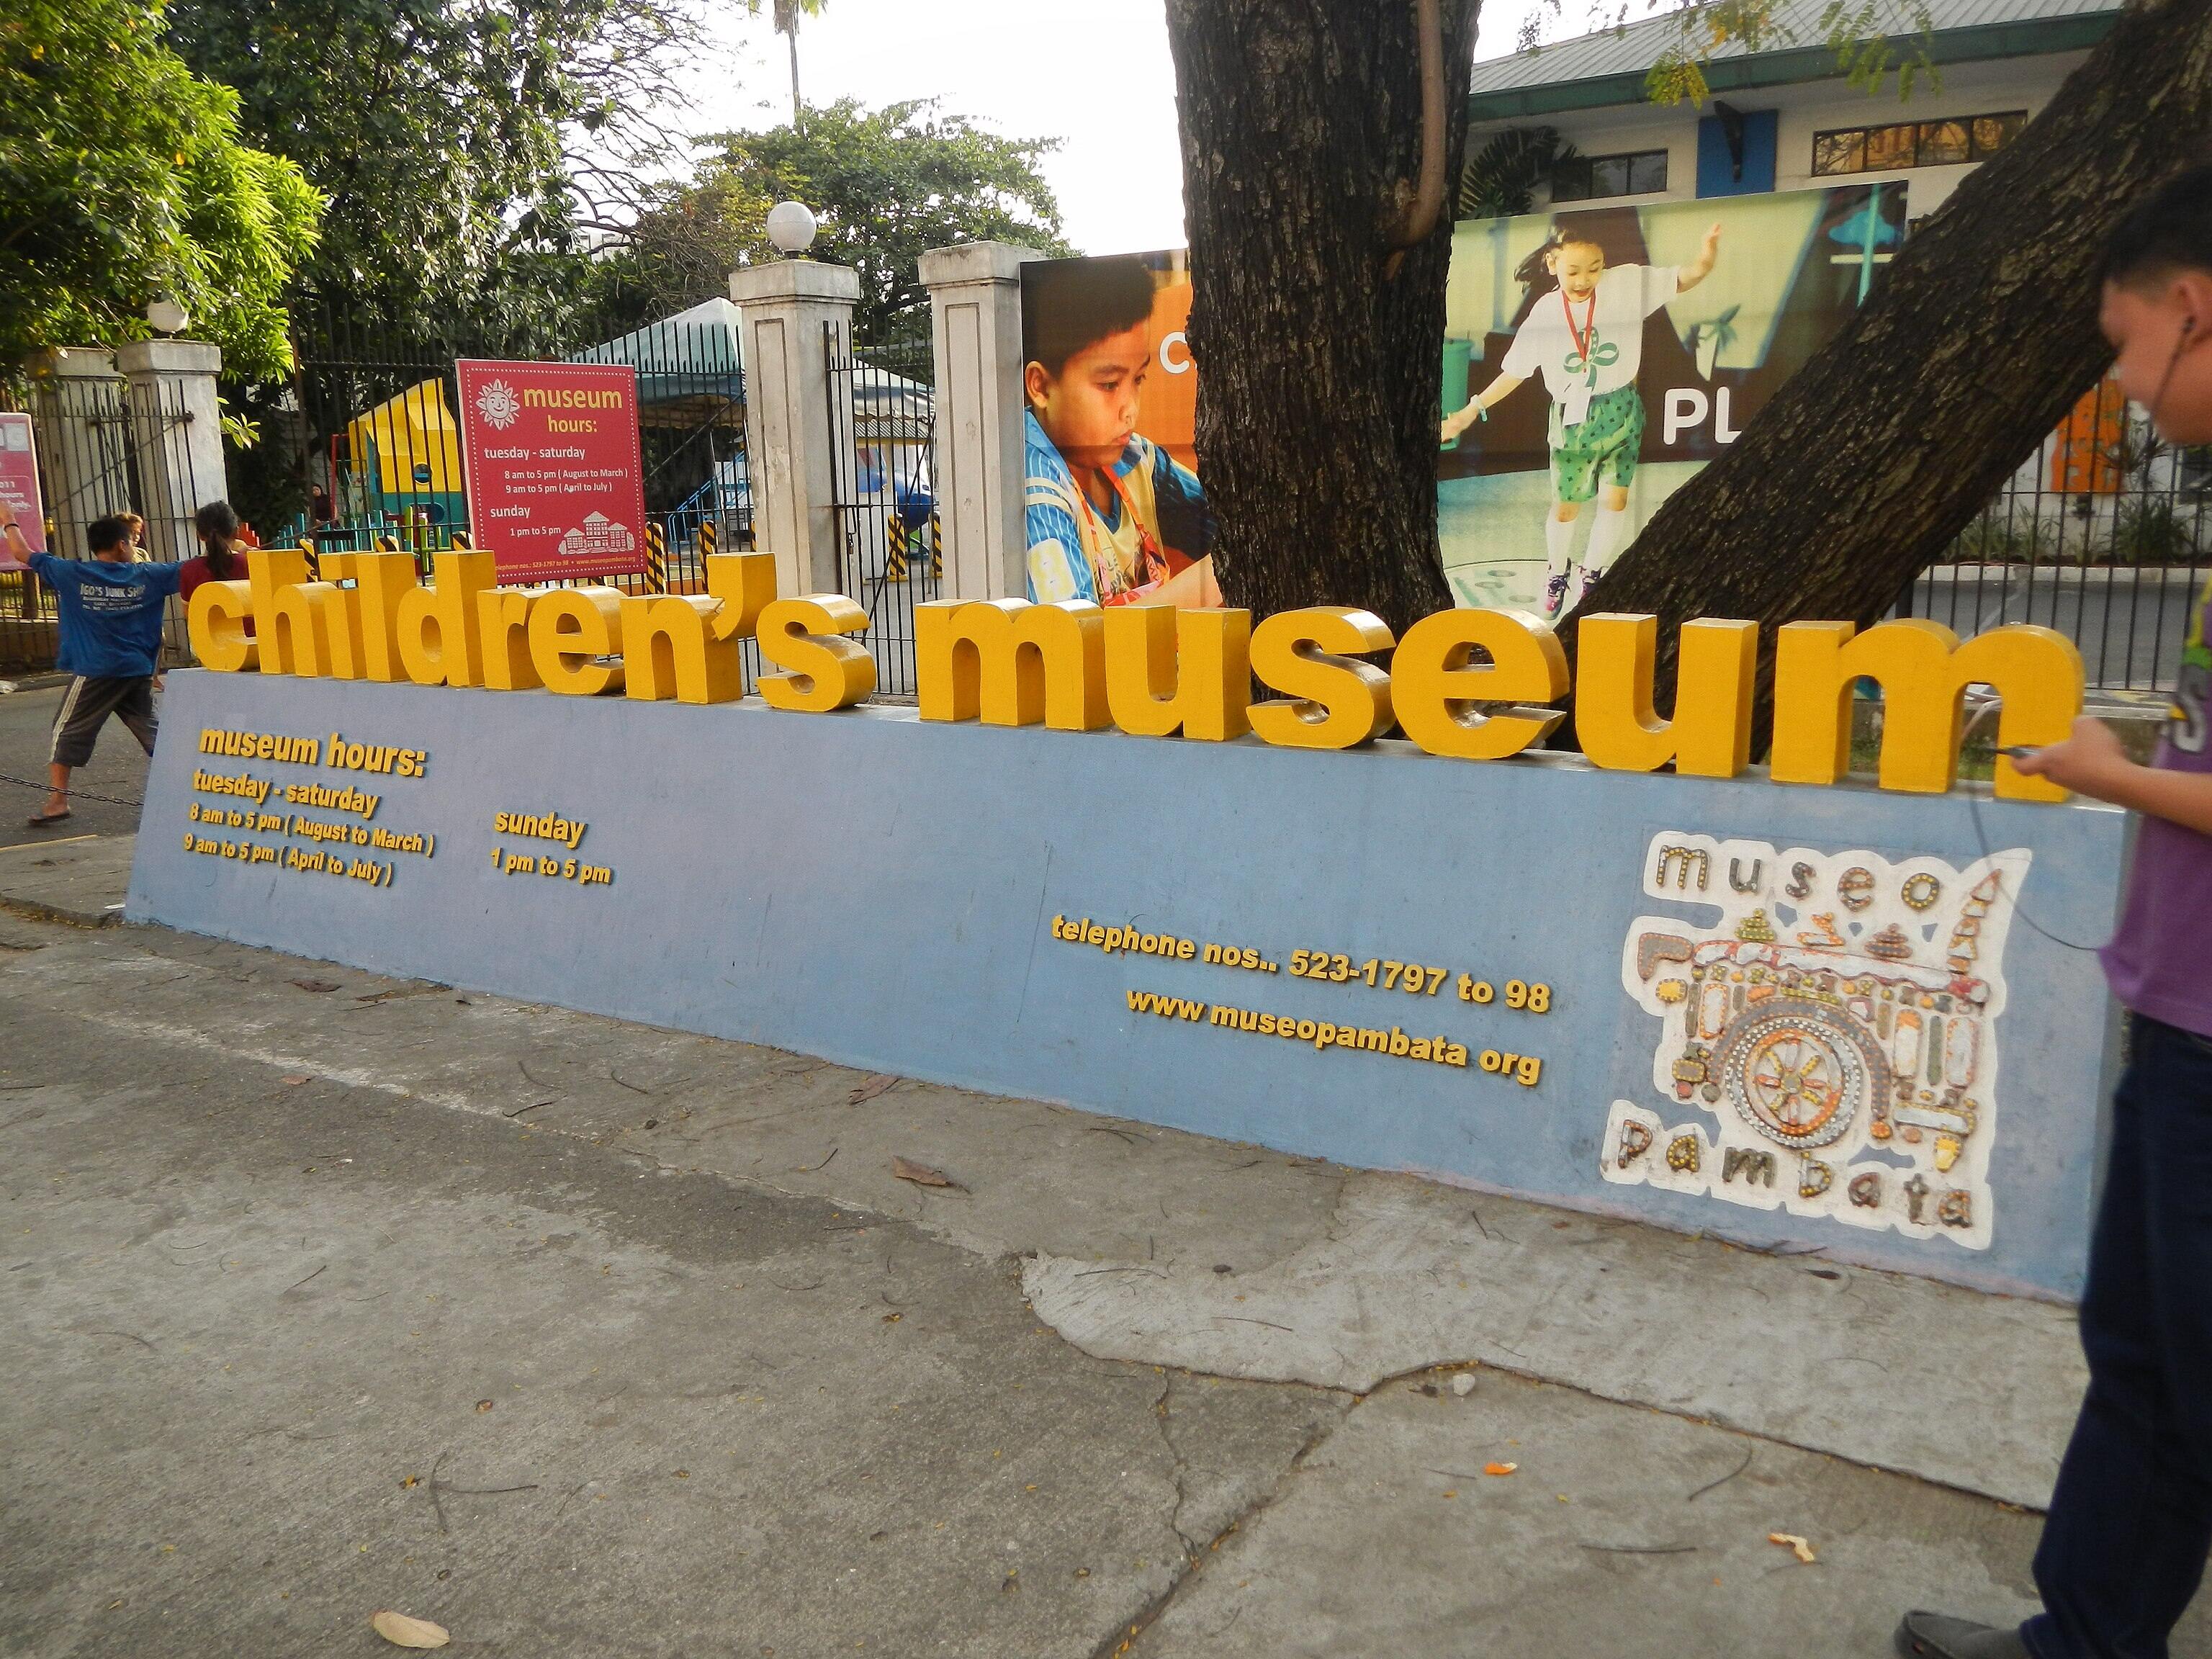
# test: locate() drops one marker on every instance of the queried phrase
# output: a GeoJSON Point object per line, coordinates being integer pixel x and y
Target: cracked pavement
{"type": "Point", "coordinates": [333, 1293]}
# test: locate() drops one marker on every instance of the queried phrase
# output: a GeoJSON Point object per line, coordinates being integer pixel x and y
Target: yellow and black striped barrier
{"type": "Point", "coordinates": [314, 564]}
{"type": "Point", "coordinates": [895, 538]}
{"type": "Point", "coordinates": [706, 537]}
{"type": "Point", "coordinates": [936, 547]}
{"type": "Point", "coordinates": [656, 558]}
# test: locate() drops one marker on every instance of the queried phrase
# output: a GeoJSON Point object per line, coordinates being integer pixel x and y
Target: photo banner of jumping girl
{"type": "Point", "coordinates": [1595, 360]}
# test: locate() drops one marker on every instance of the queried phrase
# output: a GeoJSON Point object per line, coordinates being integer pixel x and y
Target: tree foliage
{"type": "Point", "coordinates": [123, 179]}
{"type": "Point", "coordinates": [469, 147]}
{"type": "Point", "coordinates": [1872, 40]}
{"type": "Point", "coordinates": [1500, 179]}
{"type": "Point", "coordinates": [886, 185]}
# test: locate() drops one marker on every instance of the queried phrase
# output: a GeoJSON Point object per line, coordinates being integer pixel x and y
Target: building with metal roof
{"type": "Point", "coordinates": [1787, 118]}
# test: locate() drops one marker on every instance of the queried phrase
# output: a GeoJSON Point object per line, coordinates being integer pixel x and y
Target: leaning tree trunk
{"type": "Point", "coordinates": [1316, 338]}
{"type": "Point", "coordinates": [1873, 458]}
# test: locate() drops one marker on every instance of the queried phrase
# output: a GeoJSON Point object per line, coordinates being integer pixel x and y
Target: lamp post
{"type": "Point", "coordinates": [791, 228]}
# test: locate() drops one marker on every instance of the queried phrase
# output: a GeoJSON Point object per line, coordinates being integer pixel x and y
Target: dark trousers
{"type": "Point", "coordinates": [2130, 1523]}
{"type": "Point", "coordinates": [85, 709]}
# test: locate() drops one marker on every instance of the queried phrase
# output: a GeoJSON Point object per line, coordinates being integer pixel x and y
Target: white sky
{"type": "Point", "coordinates": [1094, 73]}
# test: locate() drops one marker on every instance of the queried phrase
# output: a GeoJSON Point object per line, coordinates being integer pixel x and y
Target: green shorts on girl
{"type": "Point", "coordinates": [1600, 450]}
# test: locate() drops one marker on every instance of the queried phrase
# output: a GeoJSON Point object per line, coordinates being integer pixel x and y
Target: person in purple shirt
{"type": "Point", "coordinates": [2130, 1523]}
{"type": "Point", "coordinates": [110, 611]}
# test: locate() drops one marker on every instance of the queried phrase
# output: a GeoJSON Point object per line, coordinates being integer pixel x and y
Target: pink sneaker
{"type": "Point", "coordinates": [1555, 593]}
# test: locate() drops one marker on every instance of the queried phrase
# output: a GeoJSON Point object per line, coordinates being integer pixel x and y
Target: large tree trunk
{"type": "Point", "coordinates": [1876, 454]}
{"type": "Point", "coordinates": [1317, 352]}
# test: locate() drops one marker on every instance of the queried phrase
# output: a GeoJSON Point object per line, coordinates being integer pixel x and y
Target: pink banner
{"type": "Point", "coordinates": [19, 480]}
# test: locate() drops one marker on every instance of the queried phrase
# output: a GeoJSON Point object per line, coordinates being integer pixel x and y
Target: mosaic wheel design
{"type": "Point", "coordinates": [1797, 1073]}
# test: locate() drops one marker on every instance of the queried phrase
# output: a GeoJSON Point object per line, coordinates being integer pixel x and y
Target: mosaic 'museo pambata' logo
{"type": "Point", "coordinates": [1832, 1038]}
{"type": "Point", "coordinates": [497, 403]}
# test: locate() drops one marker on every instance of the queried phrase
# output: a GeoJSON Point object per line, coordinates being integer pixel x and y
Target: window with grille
{"type": "Point", "coordinates": [1899, 144]}
{"type": "Point", "coordinates": [1588, 177]}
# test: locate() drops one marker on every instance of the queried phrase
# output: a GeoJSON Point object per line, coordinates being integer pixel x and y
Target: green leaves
{"type": "Point", "coordinates": [1500, 178]}
{"type": "Point", "coordinates": [1859, 31]}
{"type": "Point", "coordinates": [122, 178]}
{"type": "Point", "coordinates": [466, 146]}
{"type": "Point", "coordinates": [886, 185]}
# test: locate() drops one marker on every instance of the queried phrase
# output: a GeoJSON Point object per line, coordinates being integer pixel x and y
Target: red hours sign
{"type": "Point", "coordinates": [19, 482]}
{"type": "Point", "coordinates": [556, 486]}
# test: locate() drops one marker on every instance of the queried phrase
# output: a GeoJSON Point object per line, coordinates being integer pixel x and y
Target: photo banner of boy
{"type": "Point", "coordinates": [555, 477]}
{"type": "Point", "coordinates": [1112, 507]}
{"type": "Point", "coordinates": [1596, 360]}
{"type": "Point", "coordinates": [19, 481]}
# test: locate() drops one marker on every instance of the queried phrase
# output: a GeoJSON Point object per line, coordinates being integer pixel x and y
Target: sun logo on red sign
{"type": "Point", "coordinates": [497, 403]}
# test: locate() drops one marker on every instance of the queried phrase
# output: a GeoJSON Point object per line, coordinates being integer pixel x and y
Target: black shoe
{"type": "Point", "coordinates": [1939, 1636]}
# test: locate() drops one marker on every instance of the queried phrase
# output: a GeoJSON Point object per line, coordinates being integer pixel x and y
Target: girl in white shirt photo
{"type": "Point", "coordinates": [1586, 339]}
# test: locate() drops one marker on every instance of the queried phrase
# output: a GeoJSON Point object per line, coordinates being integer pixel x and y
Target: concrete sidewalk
{"type": "Point", "coordinates": [282, 1226]}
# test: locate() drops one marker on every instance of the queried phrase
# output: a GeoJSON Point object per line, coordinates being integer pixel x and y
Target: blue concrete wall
{"type": "Point", "coordinates": [879, 891]}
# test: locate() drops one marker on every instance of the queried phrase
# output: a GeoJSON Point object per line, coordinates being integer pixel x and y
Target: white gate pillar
{"type": "Point", "coordinates": [788, 305]}
{"type": "Point", "coordinates": [975, 310]}
{"type": "Point", "coordinates": [176, 419]}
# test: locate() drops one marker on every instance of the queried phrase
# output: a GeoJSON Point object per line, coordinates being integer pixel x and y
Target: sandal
{"type": "Point", "coordinates": [41, 820]}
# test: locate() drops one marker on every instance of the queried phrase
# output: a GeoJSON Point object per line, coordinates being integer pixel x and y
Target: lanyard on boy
{"type": "Point", "coordinates": [1152, 557]}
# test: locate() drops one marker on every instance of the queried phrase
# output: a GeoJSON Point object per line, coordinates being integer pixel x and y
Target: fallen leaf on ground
{"type": "Point", "coordinates": [923, 1175]}
{"type": "Point", "coordinates": [296, 1080]}
{"type": "Point", "coordinates": [871, 1087]}
{"type": "Point", "coordinates": [484, 1404]}
{"type": "Point", "coordinates": [1797, 1546]}
{"type": "Point", "coordinates": [318, 985]}
{"type": "Point", "coordinates": [1499, 1468]}
{"type": "Point", "coordinates": [402, 1631]}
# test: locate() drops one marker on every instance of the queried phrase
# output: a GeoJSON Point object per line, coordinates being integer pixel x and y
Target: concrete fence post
{"type": "Point", "coordinates": [176, 422]}
{"type": "Point", "coordinates": [786, 305]}
{"type": "Point", "coordinates": [976, 312]}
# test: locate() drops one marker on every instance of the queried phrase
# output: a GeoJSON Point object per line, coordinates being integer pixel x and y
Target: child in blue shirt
{"type": "Point", "coordinates": [111, 643]}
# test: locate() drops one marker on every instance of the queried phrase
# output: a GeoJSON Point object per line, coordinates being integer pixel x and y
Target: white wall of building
{"type": "Point", "coordinates": [1966, 89]}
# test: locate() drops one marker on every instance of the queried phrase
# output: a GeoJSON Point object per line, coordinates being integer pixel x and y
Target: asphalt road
{"type": "Point", "coordinates": [2129, 625]}
{"type": "Point", "coordinates": [118, 770]}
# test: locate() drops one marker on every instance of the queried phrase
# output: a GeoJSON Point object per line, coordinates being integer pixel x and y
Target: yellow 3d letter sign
{"type": "Point", "coordinates": [1011, 663]}
{"type": "Point", "coordinates": [1170, 671]}
{"type": "Point", "coordinates": [1924, 672]}
{"type": "Point", "coordinates": [1335, 701]}
{"type": "Point", "coordinates": [1709, 736]}
{"type": "Point", "coordinates": [1434, 688]}
{"type": "Point", "coordinates": [826, 671]}
{"type": "Point", "coordinates": [1467, 685]}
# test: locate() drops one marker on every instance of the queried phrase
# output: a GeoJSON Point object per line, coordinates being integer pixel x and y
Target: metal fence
{"type": "Point", "coordinates": [2104, 534]}
{"type": "Point", "coordinates": [104, 447]}
{"type": "Point", "coordinates": [882, 421]}
{"type": "Point", "coordinates": [378, 448]}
